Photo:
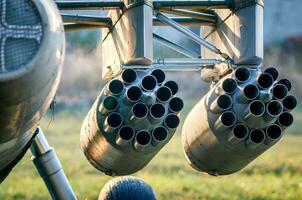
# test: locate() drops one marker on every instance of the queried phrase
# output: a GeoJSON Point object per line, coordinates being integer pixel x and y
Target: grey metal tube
{"type": "Point", "coordinates": [242, 75]}
{"type": "Point", "coordinates": [273, 110]}
{"type": "Point", "coordinates": [289, 103]}
{"type": "Point", "coordinates": [87, 19]}
{"type": "Point", "coordinates": [273, 72]}
{"type": "Point", "coordinates": [157, 112]}
{"type": "Point", "coordinates": [50, 169]}
{"type": "Point", "coordinates": [285, 120]}
{"type": "Point", "coordinates": [138, 113]}
{"type": "Point", "coordinates": [159, 136]}
{"type": "Point", "coordinates": [133, 95]}
{"type": "Point", "coordinates": [113, 122]}
{"type": "Point", "coordinates": [249, 93]}
{"type": "Point", "coordinates": [265, 80]}
{"type": "Point", "coordinates": [125, 136]}
{"type": "Point", "coordinates": [79, 27]}
{"type": "Point", "coordinates": [225, 121]}
{"type": "Point", "coordinates": [142, 140]}
{"type": "Point", "coordinates": [188, 13]}
{"type": "Point", "coordinates": [92, 5]}
{"type": "Point", "coordinates": [255, 139]}
{"type": "Point", "coordinates": [286, 83]}
{"type": "Point", "coordinates": [255, 110]}
{"type": "Point", "coordinates": [184, 21]}
{"type": "Point", "coordinates": [176, 104]}
{"type": "Point", "coordinates": [173, 86]}
{"type": "Point", "coordinates": [193, 4]}
{"type": "Point", "coordinates": [228, 86]}
{"type": "Point", "coordinates": [163, 94]}
{"type": "Point", "coordinates": [115, 88]}
{"type": "Point", "coordinates": [238, 134]}
{"type": "Point", "coordinates": [221, 103]}
{"type": "Point", "coordinates": [159, 75]}
{"type": "Point", "coordinates": [108, 105]}
{"type": "Point", "coordinates": [171, 122]}
{"type": "Point", "coordinates": [273, 134]}
{"type": "Point", "coordinates": [176, 47]}
{"type": "Point", "coordinates": [279, 91]}
{"type": "Point", "coordinates": [149, 83]}
{"type": "Point", "coordinates": [190, 34]}
{"type": "Point", "coordinates": [128, 76]}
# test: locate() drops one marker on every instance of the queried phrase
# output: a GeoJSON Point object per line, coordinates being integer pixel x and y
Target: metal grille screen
{"type": "Point", "coordinates": [20, 34]}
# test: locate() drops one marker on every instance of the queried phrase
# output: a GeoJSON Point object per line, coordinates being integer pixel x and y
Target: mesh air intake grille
{"type": "Point", "coordinates": [20, 34]}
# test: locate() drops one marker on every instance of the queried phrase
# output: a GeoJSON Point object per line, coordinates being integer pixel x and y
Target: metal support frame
{"type": "Point", "coordinates": [87, 19]}
{"type": "Point", "coordinates": [50, 169]}
{"type": "Point", "coordinates": [89, 5]}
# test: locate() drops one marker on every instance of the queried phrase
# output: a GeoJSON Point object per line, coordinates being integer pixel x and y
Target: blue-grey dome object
{"type": "Point", "coordinates": [127, 188]}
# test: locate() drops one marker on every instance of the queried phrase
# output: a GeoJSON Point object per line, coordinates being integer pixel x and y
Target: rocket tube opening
{"type": "Point", "coordinates": [163, 94]}
{"type": "Point", "coordinates": [116, 87]}
{"type": "Point", "coordinates": [280, 91]}
{"type": "Point", "coordinates": [149, 83]}
{"type": "Point", "coordinates": [134, 94]}
{"type": "Point", "coordinates": [274, 108]}
{"type": "Point", "coordinates": [160, 134]}
{"type": "Point", "coordinates": [273, 72]}
{"type": "Point", "coordinates": [228, 119]}
{"type": "Point", "coordinates": [251, 92]}
{"type": "Point", "coordinates": [159, 75]}
{"type": "Point", "coordinates": [240, 131]}
{"type": "Point", "coordinates": [286, 83]}
{"type": "Point", "coordinates": [257, 108]}
{"type": "Point", "coordinates": [140, 110]}
{"type": "Point", "coordinates": [172, 121]}
{"type": "Point", "coordinates": [176, 104]}
{"type": "Point", "coordinates": [290, 102]}
{"type": "Point", "coordinates": [286, 119]}
{"type": "Point", "coordinates": [257, 136]}
{"type": "Point", "coordinates": [265, 80]}
{"type": "Point", "coordinates": [129, 76]}
{"type": "Point", "coordinates": [110, 103]}
{"type": "Point", "coordinates": [173, 86]}
{"type": "Point", "coordinates": [157, 110]}
{"type": "Point", "coordinates": [274, 132]}
{"type": "Point", "coordinates": [143, 138]}
{"type": "Point", "coordinates": [114, 120]}
{"type": "Point", "coordinates": [229, 85]}
{"type": "Point", "coordinates": [242, 74]}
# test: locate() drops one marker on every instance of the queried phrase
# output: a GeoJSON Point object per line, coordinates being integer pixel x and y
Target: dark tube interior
{"type": "Point", "coordinates": [273, 72]}
{"type": "Point", "coordinates": [149, 83]}
{"type": "Point", "coordinates": [240, 131]}
{"type": "Point", "coordinates": [224, 102]}
{"type": "Point", "coordinates": [115, 120]}
{"type": "Point", "coordinates": [173, 86]}
{"type": "Point", "coordinates": [257, 136]}
{"type": "Point", "coordinates": [143, 137]}
{"type": "Point", "coordinates": [163, 94]}
{"type": "Point", "coordinates": [129, 76]}
{"type": "Point", "coordinates": [172, 121]}
{"type": "Point", "coordinates": [110, 103]}
{"type": "Point", "coordinates": [251, 91]}
{"type": "Point", "coordinates": [229, 85]}
{"type": "Point", "coordinates": [158, 110]}
{"type": "Point", "coordinates": [265, 80]}
{"type": "Point", "coordinates": [116, 87]}
{"type": "Point", "coordinates": [126, 133]}
{"type": "Point", "coordinates": [176, 104]}
{"type": "Point", "coordinates": [228, 119]}
{"type": "Point", "coordinates": [242, 74]}
{"type": "Point", "coordinates": [274, 108]}
{"type": "Point", "coordinates": [257, 108]}
{"type": "Point", "coordinates": [134, 93]}
{"type": "Point", "coordinates": [280, 91]}
{"type": "Point", "coordinates": [286, 119]}
{"type": "Point", "coordinates": [160, 133]}
{"type": "Point", "coordinates": [286, 82]}
{"type": "Point", "coordinates": [140, 110]}
{"type": "Point", "coordinates": [290, 102]}
{"type": "Point", "coordinates": [159, 75]}
{"type": "Point", "coordinates": [274, 131]}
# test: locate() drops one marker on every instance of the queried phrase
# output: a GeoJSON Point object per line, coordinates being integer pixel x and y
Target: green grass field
{"type": "Point", "coordinates": [277, 174]}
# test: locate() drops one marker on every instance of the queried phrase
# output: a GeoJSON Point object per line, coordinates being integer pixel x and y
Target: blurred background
{"type": "Point", "coordinates": [275, 175]}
